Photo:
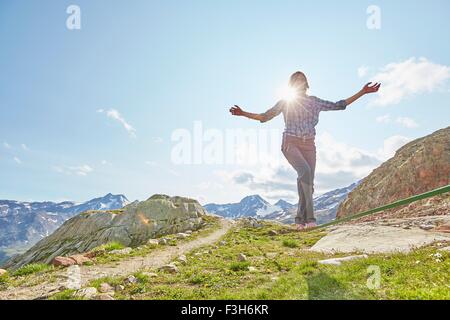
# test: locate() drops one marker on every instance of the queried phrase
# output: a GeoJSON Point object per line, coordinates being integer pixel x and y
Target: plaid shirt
{"type": "Point", "coordinates": [301, 116]}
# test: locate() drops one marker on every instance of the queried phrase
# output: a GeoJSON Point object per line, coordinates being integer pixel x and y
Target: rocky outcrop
{"type": "Point", "coordinates": [387, 236]}
{"type": "Point", "coordinates": [419, 166]}
{"type": "Point", "coordinates": [132, 226]}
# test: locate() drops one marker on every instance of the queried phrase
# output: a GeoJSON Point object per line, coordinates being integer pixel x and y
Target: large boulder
{"type": "Point", "coordinates": [420, 166]}
{"type": "Point", "coordinates": [132, 226]}
{"type": "Point", "coordinates": [63, 262]}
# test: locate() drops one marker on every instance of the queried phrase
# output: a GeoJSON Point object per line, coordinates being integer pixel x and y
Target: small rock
{"type": "Point", "coordinates": [271, 255]}
{"type": "Point", "coordinates": [273, 233]}
{"type": "Point", "coordinates": [182, 235]}
{"type": "Point", "coordinates": [171, 268]}
{"type": "Point", "coordinates": [189, 232]}
{"type": "Point", "coordinates": [3, 272]}
{"type": "Point", "coordinates": [96, 253]}
{"type": "Point", "coordinates": [122, 251]}
{"type": "Point", "coordinates": [86, 293]}
{"type": "Point", "coordinates": [252, 269]}
{"type": "Point", "coordinates": [338, 261]}
{"type": "Point", "coordinates": [153, 242]}
{"type": "Point", "coordinates": [444, 228]}
{"type": "Point", "coordinates": [62, 262]}
{"type": "Point", "coordinates": [250, 222]}
{"type": "Point", "coordinates": [274, 278]}
{"type": "Point", "coordinates": [104, 296]}
{"type": "Point", "coordinates": [80, 259]}
{"type": "Point", "coordinates": [426, 226]}
{"type": "Point", "coordinates": [130, 280]}
{"type": "Point", "coordinates": [150, 274]}
{"type": "Point", "coordinates": [182, 259]}
{"type": "Point", "coordinates": [105, 287]}
{"type": "Point", "coordinates": [163, 241]}
{"type": "Point", "coordinates": [241, 257]}
{"type": "Point", "coordinates": [223, 243]}
{"type": "Point", "coordinates": [119, 288]}
{"type": "Point", "coordinates": [445, 249]}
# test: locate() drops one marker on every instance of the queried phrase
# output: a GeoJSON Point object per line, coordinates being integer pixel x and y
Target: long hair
{"type": "Point", "coordinates": [298, 79]}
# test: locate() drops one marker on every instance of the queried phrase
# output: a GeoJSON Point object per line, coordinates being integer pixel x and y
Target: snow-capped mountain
{"type": "Point", "coordinates": [255, 206]}
{"type": "Point", "coordinates": [22, 224]}
{"type": "Point", "coordinates": [250, 206]}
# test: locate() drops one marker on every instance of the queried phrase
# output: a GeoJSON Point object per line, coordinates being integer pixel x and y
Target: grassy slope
{"type": "Point", "coordinates": [281, 267]}
{"type": "Point", "coordinates": [292, 274]}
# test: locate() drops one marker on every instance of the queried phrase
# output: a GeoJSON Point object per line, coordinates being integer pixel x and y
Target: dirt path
{"type": "Point", "coordinates": [125, 267]}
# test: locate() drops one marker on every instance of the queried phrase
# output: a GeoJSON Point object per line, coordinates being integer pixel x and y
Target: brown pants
{"type": "Point", "coordinates": [301, 154]}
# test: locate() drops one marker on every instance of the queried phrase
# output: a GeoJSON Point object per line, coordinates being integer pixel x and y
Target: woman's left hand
{"type": "Point", "coordinates": [371, 88]}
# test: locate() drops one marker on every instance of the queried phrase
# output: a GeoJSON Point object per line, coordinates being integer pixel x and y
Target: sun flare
{"type": "Point", "coordinates": [287, 93]}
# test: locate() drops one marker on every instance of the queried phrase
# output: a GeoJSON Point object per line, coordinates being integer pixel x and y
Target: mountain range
{"type": "Point", "coordinates": [22, 224]}
{"type": "Point", "coordinates": [325, 207]}
{"type": "Point", "coordinates": [131, 226]}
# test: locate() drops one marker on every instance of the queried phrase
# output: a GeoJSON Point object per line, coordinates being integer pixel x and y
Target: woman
{"type": "Point", "coordinates": [301, 115]}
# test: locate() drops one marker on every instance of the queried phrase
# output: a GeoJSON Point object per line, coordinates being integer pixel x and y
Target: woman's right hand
{"type": "Point", "coordinates": [236, 111]}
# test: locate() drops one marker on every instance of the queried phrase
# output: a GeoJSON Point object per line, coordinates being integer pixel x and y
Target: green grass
{"type": "Point", "coordinates": [105, 257]}
{"type": "Point", "coordinates": [239, 266]}
{"type": "Point", "coordinates": [294, 272]}
{"type": "Point", "coordinates": [112, 246]}
{"type": "Point", "coordinates": [290, 243]}
{"type": "Point", "coordinates": [286, 271]}
{"type": "Point", "coordinates": [64, 295]}
{"type": "Point", "coordinates": [31, 269]}
{"type": "Point", "coordinates": [4, 279]}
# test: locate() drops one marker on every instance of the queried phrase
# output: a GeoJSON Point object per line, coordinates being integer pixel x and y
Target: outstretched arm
{"type": "Point", "coordinates": [237, 111]}
{"type": "Point", "coordinates": [368, 88]}
{"type": "Point", "coordinates": [262, 117]}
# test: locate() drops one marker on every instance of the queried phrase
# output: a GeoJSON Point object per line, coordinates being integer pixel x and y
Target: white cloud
{"type": "Point", "coordinates": [338, 165]}
{"type": "Point", "coordinates": [407, 122]}
{"type": "Point", "coordinates": [157, 140]}
{"type": "Point", "coordinates": [25, 147]}
{"type": "Point", "coordinates": [383, 119]}
{"type": "Point", "coordinates": [82, 170]}
{"type": "Point", "coordinates": [17, 160]}
{"type": "Point", "coordinates": [6, 145]}
{"type": "Point", "coordinates": [114, 114]}
{"type": "Point", "coordinates": [362, 71]}
{"type": "Point", "coordinates": [106, 163]}
{"type": "Point", "coordinates": [407, 78]}
{"type": "Point", "coordinates": [391, 145]}
{"type": "Point", "coordinates": [403, 121]}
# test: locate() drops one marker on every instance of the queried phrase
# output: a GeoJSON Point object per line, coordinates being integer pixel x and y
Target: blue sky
{"type": "Point", "coordinates": [91, 111]}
